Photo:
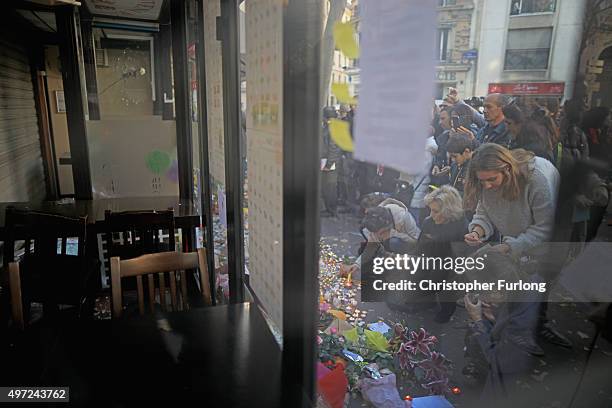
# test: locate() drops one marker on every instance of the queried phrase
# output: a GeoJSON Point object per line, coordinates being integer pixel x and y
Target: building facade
{"type": "Point", "coordinates": [596, 52]}
{"type": "Point", "coordinates": [528, 47]}
{"type": "Point", "coordinates": [455, 53]}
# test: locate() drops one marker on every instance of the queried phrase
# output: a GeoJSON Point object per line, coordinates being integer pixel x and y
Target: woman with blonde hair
{"type": "Point", "coordinates": [514, 193]}
{"type": "Point", "coordinates": [441, 237]}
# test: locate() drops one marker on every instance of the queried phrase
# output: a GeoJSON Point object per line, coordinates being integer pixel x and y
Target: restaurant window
{"type": "Point", "coordinates": [132, 141]}
{"type": "Point", "coordinates": [528, 49]}
{"type": "Point", "coordinates": [125, 73]}
{"type": "Point", "coordinates": [442, 41]}
{"type": "Point", "coordinates": [532, 6]}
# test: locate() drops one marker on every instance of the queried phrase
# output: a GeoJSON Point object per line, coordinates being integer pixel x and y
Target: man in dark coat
{"type": "Point", "coordinates": [330, 156]}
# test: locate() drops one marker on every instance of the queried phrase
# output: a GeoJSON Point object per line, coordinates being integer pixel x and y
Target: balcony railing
{"type": "Point", "coordinates": [451, 57]}
{"type": "Point", "coordinates": [533, 59]}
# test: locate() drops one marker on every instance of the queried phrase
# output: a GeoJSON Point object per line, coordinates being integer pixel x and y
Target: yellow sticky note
{"type": "Point", "coordinates": [342, 93]}
{"type": "Point", "coordinates": [344, 37]}
{"type": "Point", "coordinates": [340, 134]}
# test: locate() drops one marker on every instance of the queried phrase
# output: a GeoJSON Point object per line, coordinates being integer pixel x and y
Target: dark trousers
{"type": "Point", "coordinates": [329, 189]}
{"type": "Point", "coordinates": [596, 217]}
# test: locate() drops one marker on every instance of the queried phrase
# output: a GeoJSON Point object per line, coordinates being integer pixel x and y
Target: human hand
{"type": "Point", "coordinates": [472, 239]}
{"type": "Point", "coordinates": [466, 131]}
{"type": "Point", "coordinates": [345, 269]}
{"type": "Point", "coordinates": [444, 170]}
{"type": "Point", "coordinates": [435, 171]}
{"type": "Point", "coordinates": [474, 310]}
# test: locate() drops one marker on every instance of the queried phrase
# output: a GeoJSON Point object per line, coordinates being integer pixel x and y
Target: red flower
{"type": "Point", "coordinates": [420, 342]}
{"type": "Point", "coordinates": [404, 357]}
{"type": "Point", "coordinates": [435, 367]}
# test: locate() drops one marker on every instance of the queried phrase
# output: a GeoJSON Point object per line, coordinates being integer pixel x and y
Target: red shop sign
{"type": "Point", "coordinates": [529, 88]}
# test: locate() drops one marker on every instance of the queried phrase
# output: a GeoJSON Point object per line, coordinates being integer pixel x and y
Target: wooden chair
{"type": "Point", "coordinates": [130, 234]}
{"type": "Point", "coordinates": [52, 271]}
{"type": "Point", "coordinates": [15, 294]}
{"type": "Point", "coordinates": [170, 268]}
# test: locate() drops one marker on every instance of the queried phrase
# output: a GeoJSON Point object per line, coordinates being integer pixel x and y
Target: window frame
{"type": "Point", "coordinates": [546, 68]}
{"type": "Point", "coordinates": [533, 13]}
{"type": "Point", "coordinates": [440, 48]}
{"type": "Point", "coordinates": [445, 3]}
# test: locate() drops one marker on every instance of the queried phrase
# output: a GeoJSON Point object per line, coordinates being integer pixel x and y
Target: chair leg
{"type": "Point", "coordinates": [16, 300]}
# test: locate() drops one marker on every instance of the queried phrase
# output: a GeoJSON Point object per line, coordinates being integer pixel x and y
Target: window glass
{"type": "Point", "coordinates": [532, 6]}
{"type": "Point", "coordinates": [443, 51]}
{"type": "Point", "coordinates": [528, 49]}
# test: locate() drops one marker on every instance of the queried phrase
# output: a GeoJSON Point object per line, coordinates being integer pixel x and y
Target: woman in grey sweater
{"type": "Point", "coordinates": [514, 193]}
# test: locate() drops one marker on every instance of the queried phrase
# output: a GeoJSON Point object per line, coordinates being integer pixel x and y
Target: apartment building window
{"type": "Point", "coordinates": [531, 6]}
{"type": "Point", "coordinates": [444, 3]}
{"type": "Point", "coordinates": [443, 51]}
{"type": "Point", "coordinates": [528, 49]}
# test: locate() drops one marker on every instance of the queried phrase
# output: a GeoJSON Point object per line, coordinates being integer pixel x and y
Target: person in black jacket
{"type": "Point", "coordinates": [440, 169]}
{"type": "Point", "coordinates": [460, 148]}
{"type": "Point", "coordinates": [442, 236]}
{"type": "Point", "coordinates": [575, 142]}
{"type": "Point", "coordinates": [330, 155]}
{"type": "Point", "coordinates": [526, 134]}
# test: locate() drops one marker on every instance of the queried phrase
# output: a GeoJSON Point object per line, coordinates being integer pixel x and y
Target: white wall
{"type": "Point", "coordinates": [495, 15]}
{"type": "Point", "coordinates": [564, 58]}
{"type": "Point", "coordinates": [564, 46]}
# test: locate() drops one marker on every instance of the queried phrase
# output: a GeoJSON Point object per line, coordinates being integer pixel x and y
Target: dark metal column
{"type": "Point", "coordinates": [233, 157]}
{"type": "Point", "coordinates": [89, 61]}
{"type": "Point", "coordinates": [205, 192]}
{"type": "Point", "coordinates": [184, 146]}
{"type": "Point", "coordinates": [301, 119]}
{"type": "Point", "coordinates": [73, 91]}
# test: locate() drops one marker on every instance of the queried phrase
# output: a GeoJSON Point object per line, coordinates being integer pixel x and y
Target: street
{"type": "Point", "coordinates": [552, 384]}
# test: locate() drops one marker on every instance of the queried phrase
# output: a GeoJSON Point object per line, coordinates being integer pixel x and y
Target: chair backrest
{"type": "Point", "coordinates": [44, 234]}
{"type": "Point", "coordinates": [169, 269]}
{"type": "Point", "coordinates": [54, 268]}
{"type": "Point", "coordinates": [130, 234]}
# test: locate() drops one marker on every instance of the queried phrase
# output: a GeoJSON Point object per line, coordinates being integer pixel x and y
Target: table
{"type": "Point", "coordinates": [187, 215]}
{"type": "Point", "coordinates": [223, 356]}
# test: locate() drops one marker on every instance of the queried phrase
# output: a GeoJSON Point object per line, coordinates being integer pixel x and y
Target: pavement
{"type": "Point", "coordinates": [563, 375]}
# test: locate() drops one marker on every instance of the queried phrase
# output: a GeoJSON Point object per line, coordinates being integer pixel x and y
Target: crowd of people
{"type": "Point", "coordinates": [492, 183]}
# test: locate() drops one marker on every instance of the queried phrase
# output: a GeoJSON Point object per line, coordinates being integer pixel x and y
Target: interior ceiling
{"type": "Point", "coordinates": [42, 20]}
{"type": "Point", "coordinates": [140, 9]}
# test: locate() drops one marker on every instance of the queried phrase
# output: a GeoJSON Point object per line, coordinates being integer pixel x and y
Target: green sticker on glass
{"type": "Point", "coordinates": [157, 161]}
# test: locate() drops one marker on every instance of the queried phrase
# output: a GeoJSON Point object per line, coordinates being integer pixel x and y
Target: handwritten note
{"type": "Point", "coordinates": [345, 39]}
{"type": "Point", "coordinates": [340, 134]}
{"type": "Point", "coordinates": [396, 95]}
